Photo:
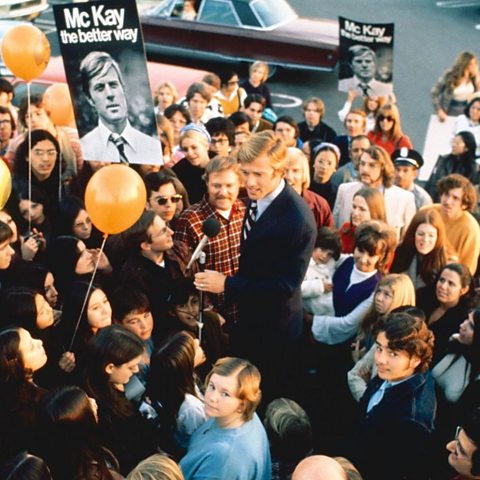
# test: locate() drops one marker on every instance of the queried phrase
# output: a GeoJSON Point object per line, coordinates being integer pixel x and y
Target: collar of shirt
{"type": "Point", "coordinates": [264, 203]}
{"type": "Point", "coordinates": [105, 133]}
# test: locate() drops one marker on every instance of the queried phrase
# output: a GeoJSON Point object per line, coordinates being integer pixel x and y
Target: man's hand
{"type": "Point", "coordinates": [210, 281]}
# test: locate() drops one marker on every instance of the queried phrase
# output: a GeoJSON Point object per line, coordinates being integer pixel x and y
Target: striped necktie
{"type": "Point", "coordinates": [119, 142]}
{"type": "Point", "coordinates": [250, 218]}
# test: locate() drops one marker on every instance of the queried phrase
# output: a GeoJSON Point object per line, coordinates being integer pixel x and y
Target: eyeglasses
{"type": "Point", "coordinates": [381, 118]}
{"type": "Point", "coordinates": [232, 82]}
{"type": "Point", "coordinates": [4, 122]}
{"type": "Point", "coordinates": [164, 200]}
{"type": "Point", "coordinates": [40, 153]}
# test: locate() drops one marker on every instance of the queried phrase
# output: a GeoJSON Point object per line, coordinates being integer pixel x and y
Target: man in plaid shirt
{"type": "Point", "coordinates": [222, 177]}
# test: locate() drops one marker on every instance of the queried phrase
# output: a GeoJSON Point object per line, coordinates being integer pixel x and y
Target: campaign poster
{"type": "Point", "coordinates": [366, 57]}
{"type": "Point", "coordinates": [103, 53]}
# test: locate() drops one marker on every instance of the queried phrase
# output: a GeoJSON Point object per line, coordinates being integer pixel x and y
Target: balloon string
{"type": "Point", "coordinates": [88, 292]}
{"type": "Point", "coordinates": [60, 177]}
{"type": "Point", "coordinates": [29, 136]}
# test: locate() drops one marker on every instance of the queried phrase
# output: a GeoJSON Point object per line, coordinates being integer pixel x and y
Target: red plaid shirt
{"type": "Point", "coordinates": [223, 251]}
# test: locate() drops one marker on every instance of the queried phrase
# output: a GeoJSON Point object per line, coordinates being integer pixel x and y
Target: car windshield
{"type": "Point", "coordinates": [273, 12]}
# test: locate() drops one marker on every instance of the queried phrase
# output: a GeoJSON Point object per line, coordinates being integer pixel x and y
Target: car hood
{"type": "Point", "coordinates": [322, 30]}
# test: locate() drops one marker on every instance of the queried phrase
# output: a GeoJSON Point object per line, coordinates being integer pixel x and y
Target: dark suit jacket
{"type": "Point", "coordinates": [273, 262]}
{"type": "Point", "coordinates": [343, 143]}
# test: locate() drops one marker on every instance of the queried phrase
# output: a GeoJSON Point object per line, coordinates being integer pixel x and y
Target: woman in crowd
{"type": "Point", "coordinates": [165, 95]}
{"type": "Point", "coordinates": [36, 276]}
{"type": "Point", "coordinates": [470, 121]}
{"type": "Point", "coordinates": [230, 95]}
{"type": "Point", "coordinates": [393, 435]}
{"type": "Point", "coordinates": [194, 143]}
{"type": "Point", "coordinates": [68, 437]}
{"type": "Point", "coordinates": [354, 281]}
{"type": "Point", "coordinates": [256, 83]}
{"type": "Point", "coordinates": [96, 314]}
{"type": "Point", "coordinates": [69, 259]}
{"type": "Point", "coordinates": [324, 159]}
{"type": "Point", "coordinates": [72, 219]}
{"type": "Point", "coordinates": [461, 160]}
{"type": "Point", "coordinates": [183, 314]}
{"type": "Point", "coordinates": [368, 204]}
{"type": "Point", "coordinates": [446, 304]}
{"type": "Point", "coordinates": [21, 356]}
{"type": "Point", "coordinates": [232, 443]}
{"type": "Point", "coordinates": [387, 132]}
{"type": "Point", "coordinates": [179, 117]}
{"type": "Point", "coordinates": [452, 90]}
{"type": "Point", "coordinates": [424, 250]}
{"type": "Point", "coordinates": [371, 105]}
{"type": "Point", "coordinates": [112, 358]}
{"type": "Point", "coordinates": [297, 175]}
{"type": "Point", "coordinates": [37, 118]}
{"type": "Point", "coordinates": [173, 391]}
{"type": "Point", "coordinates": [393, 291]}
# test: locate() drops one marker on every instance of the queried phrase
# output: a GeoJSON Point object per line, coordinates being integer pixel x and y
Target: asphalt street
{"type": "Point", "coordinates": [427, 40]}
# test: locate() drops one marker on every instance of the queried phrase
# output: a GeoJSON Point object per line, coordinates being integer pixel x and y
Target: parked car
{"type": "Point", "coordinates": [21, 9]}
{"type": "Point", "coordinates": [241, 30]}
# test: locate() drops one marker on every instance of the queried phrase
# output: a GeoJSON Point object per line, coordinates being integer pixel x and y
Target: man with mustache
{"type": "Point", "coordinates": [222, 176]}
{"type": "Point", "coordinates": [114, 139]}
{"type": "Point", "coordinates": [375, 169]}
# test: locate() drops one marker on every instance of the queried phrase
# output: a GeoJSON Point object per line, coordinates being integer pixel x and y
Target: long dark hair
{"type": "Point", "coordinates": [466, 161]}
{"type": "Point", "coordinates": [62, 258]}
{"type": "Point", "coordinates": [19, 308]}
{"type": "Point", "coordinates": [20, 162]}
{"type": "Point", "coordinates": [16, 388]}
{"type": "Point", "coordinates": [72, 307]}
{"type": "Point", "coordinates": [68, 438]}
{"type": "Point", "coordinates": [116, 345]}
{"type": "Point", "coordinates": [171, 375]}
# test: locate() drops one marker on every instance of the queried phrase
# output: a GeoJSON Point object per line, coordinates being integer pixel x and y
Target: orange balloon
{"type": "Point", "coordinates": [115, 198]}
{"type": "Point", "coordinates": [58, 104]}
{"type": "Point", "coordinates": [25, 51]}
{"type": "Point", "coordinates": [5, 183]}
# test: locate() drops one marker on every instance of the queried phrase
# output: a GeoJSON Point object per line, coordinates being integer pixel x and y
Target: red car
{"type": "Point", "coordinates": [241, 30]}
{"type": "Point", "coordinates": [181, 77]}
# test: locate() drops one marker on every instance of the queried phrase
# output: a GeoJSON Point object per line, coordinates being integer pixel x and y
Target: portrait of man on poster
{"type": "Point", "coordinates": [363, 64]}
{"type": "Point", "coordinates": [113, 139]}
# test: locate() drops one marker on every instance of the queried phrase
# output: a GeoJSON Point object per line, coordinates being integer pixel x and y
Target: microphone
{"type": "Point", "coordinates": [210, 229]}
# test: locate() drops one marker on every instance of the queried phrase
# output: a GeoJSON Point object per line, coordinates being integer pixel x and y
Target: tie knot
{"type": "Point", "coordinates": [117, 139]}
{"type": "Point", "coordinates": [253, 204]}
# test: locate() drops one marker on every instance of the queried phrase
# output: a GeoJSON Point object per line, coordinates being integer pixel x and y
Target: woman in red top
{"type": "Point", "coordinates": [368, 204]}
{"type": "Point", "coordinates": [387, 132]}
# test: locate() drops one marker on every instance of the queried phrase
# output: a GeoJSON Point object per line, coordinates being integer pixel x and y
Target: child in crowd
{"type": "Point", "coordinates": [317, 285]}
{"type": "Point", "coordinates": [173, 392]}
{"type": "Point", "coordinates": [131, 310]}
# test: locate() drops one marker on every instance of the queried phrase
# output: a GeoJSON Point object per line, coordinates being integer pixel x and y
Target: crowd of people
{"type": "Point", "coordinates": [328, 330]}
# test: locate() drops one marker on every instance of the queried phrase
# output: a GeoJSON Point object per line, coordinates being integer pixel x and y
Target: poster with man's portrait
{"type": "Point", "coordinates": [366, 58]}
{"type": "Point", "coordinates": [105, 64]}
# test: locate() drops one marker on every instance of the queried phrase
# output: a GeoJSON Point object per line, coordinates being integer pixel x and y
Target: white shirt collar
{"type": "Point", "coordinates": [265, 202]}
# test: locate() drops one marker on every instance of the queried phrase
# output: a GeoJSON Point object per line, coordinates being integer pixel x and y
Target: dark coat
{"type": "Point", "coordinates": [393, 440]}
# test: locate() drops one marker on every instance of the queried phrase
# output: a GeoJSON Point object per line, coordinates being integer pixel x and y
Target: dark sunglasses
{"type": "Point", "coordinates": [382, 117]}
{"type": "Point", "coordinates": [174, 199]}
